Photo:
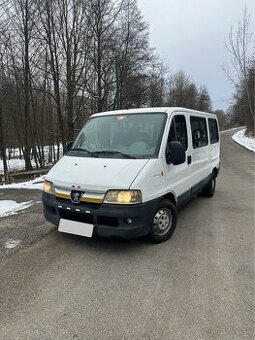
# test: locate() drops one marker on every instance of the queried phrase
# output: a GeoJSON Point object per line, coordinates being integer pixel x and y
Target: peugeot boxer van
{"type": "Point", "coordinates": [128, 172]}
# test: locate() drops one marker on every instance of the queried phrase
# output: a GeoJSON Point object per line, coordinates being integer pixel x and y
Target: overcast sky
{"type": "Point", "coordinates": [190, 36]}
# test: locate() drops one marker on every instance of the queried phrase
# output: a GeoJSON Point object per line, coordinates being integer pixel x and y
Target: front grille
{"type": "Point", "coordinates": [76, 216]}
{"type": "Point", "coordinates": [81, 204]}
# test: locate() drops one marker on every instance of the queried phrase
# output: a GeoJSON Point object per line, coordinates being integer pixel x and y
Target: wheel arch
{"type": "Point", "coordinates": [171, 197]}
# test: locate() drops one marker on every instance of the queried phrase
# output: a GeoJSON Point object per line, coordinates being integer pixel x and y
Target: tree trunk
{"type": "Point", "coordinates": [27, 123]}
{"type": "Point", "coordinates": [3, 147]}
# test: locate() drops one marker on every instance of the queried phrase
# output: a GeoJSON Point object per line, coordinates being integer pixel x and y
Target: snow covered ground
{"type": "Point", "coordinates": [247, 141]}
{"type": "Point", "coordinates": [9, 207]}
{"type": "Point", "coordinates": [16, 164]}
{"type": "Point", "coordinates": [36, 183]}
{"type": "Point", "coordinates": [12, 244]}
{"type": "Point", "coordinates": [232, 129]}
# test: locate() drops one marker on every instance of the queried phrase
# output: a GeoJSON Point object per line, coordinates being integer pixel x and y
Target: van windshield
{"type": "Point", "coordinates": [121, 136]}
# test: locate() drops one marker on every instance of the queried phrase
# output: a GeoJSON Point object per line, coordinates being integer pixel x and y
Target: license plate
{"type": "Point", "coordinates": [76, 228]}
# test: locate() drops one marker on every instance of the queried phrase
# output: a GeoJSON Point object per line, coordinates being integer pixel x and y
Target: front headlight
{"type": "Point", "coordinates": [123, 197]}
{"type": "Point", "coordinates": [48, 187]}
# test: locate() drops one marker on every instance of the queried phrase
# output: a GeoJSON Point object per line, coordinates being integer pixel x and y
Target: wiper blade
{"type": "Point", "coordinates": [115, 153]}
{"type": "Point", "coordinates": [86, 150]}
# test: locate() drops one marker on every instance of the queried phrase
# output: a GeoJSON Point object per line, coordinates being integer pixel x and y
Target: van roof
{"type": "Point", "coordinates": [168, 110]}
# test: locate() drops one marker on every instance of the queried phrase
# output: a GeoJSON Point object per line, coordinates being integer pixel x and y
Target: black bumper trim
{"type": "Point", "coordinates": [108, 219]}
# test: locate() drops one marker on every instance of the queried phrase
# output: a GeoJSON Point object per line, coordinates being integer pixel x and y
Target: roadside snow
{"type": "Point", "coordinates": [246, 141]}
{"type": "Point", "coordinates": [16, 164]}
{"type": "Point", "coordinates": [12, 244]}
{"type": "Point", "coordinates": [36, 183]}
{"type": "Point", "coordinates": [232, 129]}
{"type": "Point", "coordinates": [8, 207]}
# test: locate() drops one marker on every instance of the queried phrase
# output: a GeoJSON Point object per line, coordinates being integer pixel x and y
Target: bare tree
{"type": "Point", "coordinates": [2, 129]}
{"type": "Point", "coordinates": [222, 119]}
{"type": "Point", "coordinates": [101, 16]}
{"type": "Point", "coordinates": [132, 56]}
{"type": "Point", "coordinates": [240, 45]}
{"type": "Point", "coordinates": [19, 40]}
{"type": "Point", "coordinates": [3, 144]}
{"type": "Point", "coordinates": [25, 12]}
{"type": "Point", "coordinates": [157, 83]}
{"type": "Point", "coordinates": [183, 92]}
{"type": "Point", "coordinates": [203, 100]}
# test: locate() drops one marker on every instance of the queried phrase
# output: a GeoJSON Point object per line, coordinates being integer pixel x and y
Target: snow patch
{"type": "Point", "coordinates": [247, 141]}
{"type": "Point", "coordinates": [36, 183]}
{"type": "Point", "coordinates": [16, 164]}
{"type": "Point", "coordinates": [9, 207]}
{"type": "Point", "coordinates": [232, 129]}
{"type": "Point", "coordinates": [12, 244]}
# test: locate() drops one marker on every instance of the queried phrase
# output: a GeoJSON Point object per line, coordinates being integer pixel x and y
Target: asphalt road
{"type": "Point", "coordinates": [198, 285]}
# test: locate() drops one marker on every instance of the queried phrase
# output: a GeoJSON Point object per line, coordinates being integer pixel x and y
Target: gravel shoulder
{"type": "Point", "coordinates": [26, 226]}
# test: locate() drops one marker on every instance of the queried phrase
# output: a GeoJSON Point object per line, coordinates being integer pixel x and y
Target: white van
{"type": "Point", "coordinates": [128, 171]}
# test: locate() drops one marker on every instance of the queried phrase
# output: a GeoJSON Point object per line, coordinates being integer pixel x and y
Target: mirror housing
{"type": "Point", "coordinates": [68, 146]}
{"type": "Point", "coordinates": [177, 153]}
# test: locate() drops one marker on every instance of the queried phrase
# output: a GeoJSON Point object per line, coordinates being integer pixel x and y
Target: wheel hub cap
{"type": "Point", "coordinates": [162, 221]}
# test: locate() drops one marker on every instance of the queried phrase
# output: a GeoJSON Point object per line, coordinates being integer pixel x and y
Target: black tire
{"type": "Point", "coordinates": [209, 190]}
{"type": "Point", "coordinates": [163, 222]}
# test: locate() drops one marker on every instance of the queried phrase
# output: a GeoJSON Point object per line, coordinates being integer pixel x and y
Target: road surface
{"type": "Point", "coordinates": [198, 285]}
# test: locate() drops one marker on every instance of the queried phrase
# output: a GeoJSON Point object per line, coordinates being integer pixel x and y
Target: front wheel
{"type": "Point", "coordinates": [164, 222]}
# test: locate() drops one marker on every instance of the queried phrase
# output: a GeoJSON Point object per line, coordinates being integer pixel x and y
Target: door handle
{"type": "Point", "coordinates": [189, 159]}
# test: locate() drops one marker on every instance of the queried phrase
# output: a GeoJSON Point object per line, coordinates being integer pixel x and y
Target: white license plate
{"type": "Point", "coordinates": [76, 228]}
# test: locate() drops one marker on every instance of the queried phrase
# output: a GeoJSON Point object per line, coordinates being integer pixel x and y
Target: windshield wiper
{"type": "Point", "coordinates": [115, 153]}
{"type": "Point", "coordinates": [82, 149]}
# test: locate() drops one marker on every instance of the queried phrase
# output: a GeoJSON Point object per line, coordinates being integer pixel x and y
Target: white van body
{"type": "Point", "coordinates": [155, 179]}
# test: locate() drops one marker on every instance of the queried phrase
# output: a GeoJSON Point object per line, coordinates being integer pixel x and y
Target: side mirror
{"type": "Point", "coordinates": [177, 153]}
{"type": "Point", "coordinates": [68, 146]}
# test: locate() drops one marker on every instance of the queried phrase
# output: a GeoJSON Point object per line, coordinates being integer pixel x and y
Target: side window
{"type": "Point", "coordinates": [181, 131]}
{"type": "Point", "coordinates": [213, 129]}
{"type": "Point", "coordinates": [199, 132]}
{"type": "Point", "coordinates": [178, 131]}
{"type": "Point", "coordinates": [172, 133]}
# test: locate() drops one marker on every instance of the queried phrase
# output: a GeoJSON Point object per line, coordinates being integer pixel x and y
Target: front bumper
{"type": "Point", "coordinates": [108, 219]}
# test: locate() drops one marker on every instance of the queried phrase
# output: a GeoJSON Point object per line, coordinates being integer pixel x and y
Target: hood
{"type": "Point", "coordinates": [99, 174]}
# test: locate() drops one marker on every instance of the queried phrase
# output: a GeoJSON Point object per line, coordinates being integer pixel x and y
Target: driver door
{"type": "Point", "coordinates": [178, 177]}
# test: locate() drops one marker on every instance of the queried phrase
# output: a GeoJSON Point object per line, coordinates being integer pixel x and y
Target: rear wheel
{"type": "Point", "coordinates": [209, 190]}
{"type": "Point", "coordinates": [164, 222]}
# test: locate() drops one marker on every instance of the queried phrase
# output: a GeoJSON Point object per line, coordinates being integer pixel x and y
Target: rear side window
{"type": "Point", "coordinates": [213, 130]}
{"type": "Point", "coordinates": [199, 132]}
{"type": "Point", "coordinates": [178, 131]}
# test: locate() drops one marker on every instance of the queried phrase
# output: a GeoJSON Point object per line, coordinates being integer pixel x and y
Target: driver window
{"type": "Point", "coordinates": [172, 133]}
{"type": "Point", "coordinates": [178, 131]}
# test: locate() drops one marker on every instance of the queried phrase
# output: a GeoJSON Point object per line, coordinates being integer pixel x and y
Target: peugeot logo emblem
{"type": "Point", "coordinates": [76, 196]}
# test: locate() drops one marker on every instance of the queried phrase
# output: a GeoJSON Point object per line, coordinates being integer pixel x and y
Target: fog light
{"type": "Point", "coordinates": [129, 221]}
